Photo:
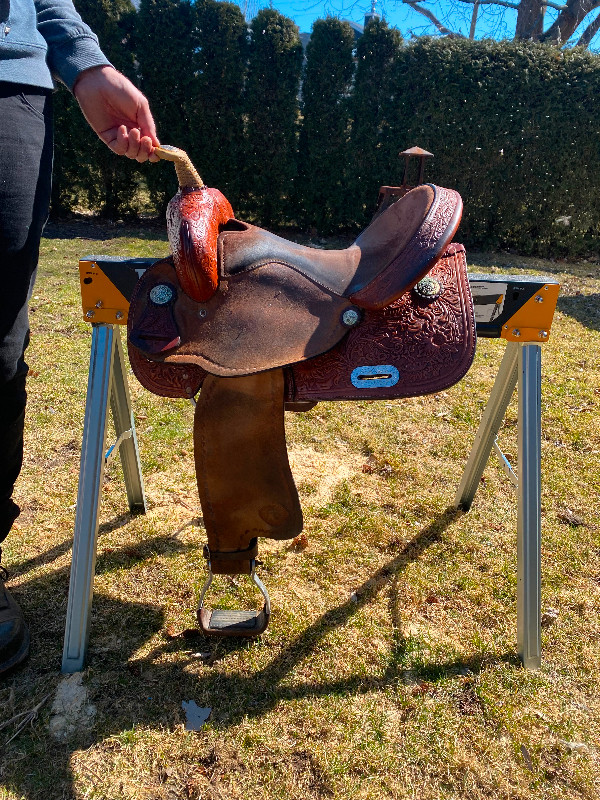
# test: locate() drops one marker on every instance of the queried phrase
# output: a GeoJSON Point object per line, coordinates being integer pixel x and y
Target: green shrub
{"type": "Point", "coordinates": [324, 156]}
{"type": "Point", "coordinates": [167, 43]}
{"type": "Point", "coordinates": [271, 109]}
{"type": "Point", "coordinates": [217, 113]}
{"type": "Point", "coordinates": [374, 144]}
{"type": "Point", "coordinates": [514, 127]}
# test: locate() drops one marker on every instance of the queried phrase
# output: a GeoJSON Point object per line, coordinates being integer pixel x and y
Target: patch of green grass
{"type": "Point", "coordinates": [389, 669]}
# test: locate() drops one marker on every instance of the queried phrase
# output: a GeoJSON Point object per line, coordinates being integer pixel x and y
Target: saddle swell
{"type": "Point", "coordinates": [257, 322]}
{"type": "Point", "coordinates": [194, 219]}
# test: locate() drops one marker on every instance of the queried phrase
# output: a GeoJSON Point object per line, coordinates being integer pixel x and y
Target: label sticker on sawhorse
{"type": "Point", "coordinates": [107, 285]}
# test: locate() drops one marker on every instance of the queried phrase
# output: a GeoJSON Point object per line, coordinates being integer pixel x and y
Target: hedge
{"type": "Point", "coordinates": [514, 128]}
{"type": "Point", "coordinates": [308, 140]}
{"type": "Point", "coordinates": [321, 192]}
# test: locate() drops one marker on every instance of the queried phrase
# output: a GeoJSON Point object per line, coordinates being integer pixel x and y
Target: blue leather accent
{"type": "Point", "coordinates": [379, 376]}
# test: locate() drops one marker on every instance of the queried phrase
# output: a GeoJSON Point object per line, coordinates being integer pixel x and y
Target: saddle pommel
{"type": "Point", "coordinates": [195, 217]}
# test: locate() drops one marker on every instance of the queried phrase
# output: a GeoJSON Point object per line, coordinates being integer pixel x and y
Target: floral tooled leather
{"type": "Point", "coordinates": [431, 344]}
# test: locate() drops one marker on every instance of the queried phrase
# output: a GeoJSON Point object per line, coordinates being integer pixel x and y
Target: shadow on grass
{"type": "Point", "coordinates": [584, 308]}
{"type": "Point", "coordinates": [147, 691]}
{"type": "Point", "coordinates": [103, 230]}
{"type": "Point", "coordinates": [134, 552]}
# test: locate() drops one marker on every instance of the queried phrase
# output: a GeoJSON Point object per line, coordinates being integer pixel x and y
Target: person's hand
{"type": "Point", "coordinates": [118, 112]}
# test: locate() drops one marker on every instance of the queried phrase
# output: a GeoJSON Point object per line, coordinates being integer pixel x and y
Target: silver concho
{"type": "Point", "coordinates": [161, 294]}
{"type": "Point", "coordinates": [350, 317]}
{"type": "Point", "coordinates": [429, 288]}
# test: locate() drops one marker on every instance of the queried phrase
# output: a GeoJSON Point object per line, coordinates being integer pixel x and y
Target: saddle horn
{"type": "Point", "coordinates": [195, 217]}
{"type": "Point", "coordinates": [187, 174]}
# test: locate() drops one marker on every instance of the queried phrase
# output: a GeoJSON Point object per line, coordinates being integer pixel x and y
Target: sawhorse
{"type": "Point", "coordinates": [522, 365]}
{"type": "Point", "coordinates": [107, 382]}
{"type": "Point", "coordinates": [518, 309]}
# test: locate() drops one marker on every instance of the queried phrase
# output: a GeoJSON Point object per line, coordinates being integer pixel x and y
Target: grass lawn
{"type": "Point", "coordinates": [390, 668]}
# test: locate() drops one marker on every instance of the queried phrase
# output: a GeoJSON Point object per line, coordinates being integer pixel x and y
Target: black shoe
{"type": "Point", "coordinates": [14, 633]}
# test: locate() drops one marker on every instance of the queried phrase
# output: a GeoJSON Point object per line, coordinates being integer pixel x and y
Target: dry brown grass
{"type": "Point", "coordinates": [390, 668]}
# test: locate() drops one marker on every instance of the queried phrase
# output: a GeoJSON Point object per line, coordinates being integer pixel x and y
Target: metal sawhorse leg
{"type": "Point", "coordinates": [107, 380]}
{"type": "Point", "coordinates": [521, 364]}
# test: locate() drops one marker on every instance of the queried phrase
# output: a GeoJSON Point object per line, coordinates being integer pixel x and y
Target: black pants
{"type": "Point", "coordinates": [25, 176]}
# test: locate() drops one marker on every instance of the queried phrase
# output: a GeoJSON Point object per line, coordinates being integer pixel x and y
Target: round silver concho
{"type": "Point", "coordinates": [161, 294]}
{"type": "Point", "coordinates": [350, 317]}
{"type": "Point", "coordinates": [429, 288]}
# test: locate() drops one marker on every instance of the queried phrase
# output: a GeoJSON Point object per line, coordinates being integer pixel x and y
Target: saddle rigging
{"type": "Point", "coordinates": [259, 324]}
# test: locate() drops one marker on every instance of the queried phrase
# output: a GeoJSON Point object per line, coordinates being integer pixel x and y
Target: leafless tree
{"type": "Point", "coordinates": [531, 21]}
{"type": "Point", "coordinates": [530, 18]}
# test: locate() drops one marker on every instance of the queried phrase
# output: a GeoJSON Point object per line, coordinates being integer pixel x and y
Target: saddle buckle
{"type": "Point", "coordinates": [227, 623]}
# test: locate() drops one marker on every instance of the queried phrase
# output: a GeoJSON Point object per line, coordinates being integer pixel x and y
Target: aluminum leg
{"type": "Point", "coordinates": [120, 403]}
{"type": "Point", "coordinates": [91, 473]}
{"type": "Point", "coordinates": [502, 391]}
{"type": "Point", "coordinates": [529, 509]}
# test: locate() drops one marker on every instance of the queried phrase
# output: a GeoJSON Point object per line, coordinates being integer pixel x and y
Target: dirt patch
{"type": "Point", "coordinates": [317, 474]}
{"type": "Point", "coordinates": [71, 711]}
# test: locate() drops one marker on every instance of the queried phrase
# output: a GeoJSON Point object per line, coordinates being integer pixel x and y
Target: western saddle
{"type": "Point", "coordinates": [258, 324]}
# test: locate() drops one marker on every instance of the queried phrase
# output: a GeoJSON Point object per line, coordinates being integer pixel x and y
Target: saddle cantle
{"type": "Point", "coordinates": [256, 322]}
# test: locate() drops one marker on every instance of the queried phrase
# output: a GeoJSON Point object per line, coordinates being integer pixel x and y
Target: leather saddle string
{"type": "Point", "coordinates": [244, 479]}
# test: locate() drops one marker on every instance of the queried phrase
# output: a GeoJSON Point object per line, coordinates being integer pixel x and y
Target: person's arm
{"type": "Point", "coordinates": [118, 112]}
{"type": "Point", "coordinates": [114, 108]}
{"type": "Point", "coordinates": [72, 45]}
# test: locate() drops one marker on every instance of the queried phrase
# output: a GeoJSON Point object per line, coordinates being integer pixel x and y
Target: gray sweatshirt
{"type": "Point", "coordinates": [45, 39]}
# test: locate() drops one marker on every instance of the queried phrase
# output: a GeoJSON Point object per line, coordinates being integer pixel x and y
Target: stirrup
{"type": "Point", "coordinates": [223, 622]}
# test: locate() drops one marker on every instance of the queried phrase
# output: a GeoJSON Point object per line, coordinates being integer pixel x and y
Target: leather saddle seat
{"type": "Point", "coordinates": [280, 303]}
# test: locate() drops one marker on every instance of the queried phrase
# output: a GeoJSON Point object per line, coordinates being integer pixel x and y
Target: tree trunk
{"type": "Point", "coordinates": [567, 21]}
{"type": "Point", "coordinates": [530, 20]}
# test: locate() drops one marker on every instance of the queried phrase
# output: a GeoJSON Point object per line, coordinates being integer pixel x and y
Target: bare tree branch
{"type": "Point", "coordinates": [589, 33]}
{"type": "Point", "coordinates": [427, 13]}
{"type": "Point", "coordinates": [568, 20]}
{"type": "Point", "coordinates": [530, 17]}
{"type": "Point", "coordinates": [507, 4]}
{"type": "Point", "coordinates": [474, 19]}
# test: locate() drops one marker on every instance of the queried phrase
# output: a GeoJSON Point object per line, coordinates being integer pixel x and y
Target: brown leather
{"type": "Point", "coordinates": [390, 256]}
{"type": "Point", "coordinates": [257, 321]}
{"type": "Point", "coordinates": [431, 344]}
{"type": "Point", "coordinates": [244, 479]}
{"type": "Point", "coordinates": [194, 219]}
{"type": "Point", "coordinates": [280, 303]}
{"type": "Point", "coordinates": [167, 380]}
{"type": "Point", "coordinates": [417, 255]}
